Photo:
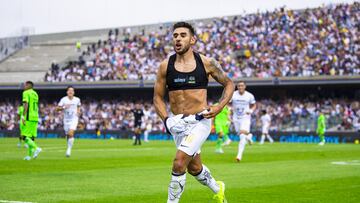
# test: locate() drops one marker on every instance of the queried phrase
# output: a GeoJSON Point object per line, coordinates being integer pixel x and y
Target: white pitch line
{"type": "Point", "coordinates": [9, 201]}
{"type": "Point", "coordinates": [352, 163]}
{"type": "Point", "coordinates": [103, 150]}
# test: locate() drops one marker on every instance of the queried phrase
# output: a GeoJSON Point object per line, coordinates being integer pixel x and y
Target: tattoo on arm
{"type": "Point", "coordinates": [218, 73]}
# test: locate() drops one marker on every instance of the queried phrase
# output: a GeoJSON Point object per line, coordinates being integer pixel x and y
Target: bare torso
{"type": "Point", "coordinates": [187, 101]}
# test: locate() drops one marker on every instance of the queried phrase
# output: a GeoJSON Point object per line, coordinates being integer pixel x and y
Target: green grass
{"type": "Point", "coordinates": [116, 171]}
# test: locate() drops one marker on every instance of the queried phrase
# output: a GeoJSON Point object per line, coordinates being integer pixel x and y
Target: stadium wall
{"type": "Point", "coordinates": [288, 137]}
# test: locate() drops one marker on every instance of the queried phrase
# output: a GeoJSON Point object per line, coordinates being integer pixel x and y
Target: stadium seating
{"type": "Point", "coordinates": [309, 42]}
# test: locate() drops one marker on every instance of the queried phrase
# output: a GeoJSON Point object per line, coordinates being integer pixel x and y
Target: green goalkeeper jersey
{"type": "Point", "coordinates": [321, 122]}
{"type": "Point", "coordinates": [223, 116]}
{"type": "Point", "coordinates": [31, 97]}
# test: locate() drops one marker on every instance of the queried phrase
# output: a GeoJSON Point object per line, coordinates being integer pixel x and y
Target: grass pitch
{"type": "Point", "coordinates": [116, 171]}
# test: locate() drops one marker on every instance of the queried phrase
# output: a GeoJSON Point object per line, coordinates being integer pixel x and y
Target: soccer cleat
{"type": "Point", "coordinates": [19, 145]}
{"type": "Point", "coordinates": [220, 196]}
{"type": "Point", "coordinates": [219, 151]}
{"type": "Point", "coordinates": [37, 152]}
{"type": "Point", "coordinates": [238, 160]}
{"type": "Point", "coordinates": [321, 143]}
{"type": "Point", "coordinates": [27, 158]}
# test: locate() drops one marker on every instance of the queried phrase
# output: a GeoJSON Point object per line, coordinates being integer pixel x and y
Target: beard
{"type": "Point", "coordinates": [183, 50]}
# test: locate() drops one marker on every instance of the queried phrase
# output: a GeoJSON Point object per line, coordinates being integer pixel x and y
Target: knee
{"type": "Point", "coordinates": [179, 165]}
{"type": "Point", "coordinates": [194, 169]}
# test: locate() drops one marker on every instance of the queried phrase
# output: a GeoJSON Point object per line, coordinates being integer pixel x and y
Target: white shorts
{"type": "Point", "coordinates": [70, 125]}
{"type": "Point", "coordinates": [242, 124]}
{"type": "Point", "coordinates": [265, 129]}
{"type": "Point", "coordinates": [192, 143]}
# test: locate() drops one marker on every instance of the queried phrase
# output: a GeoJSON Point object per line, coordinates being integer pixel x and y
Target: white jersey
{"type": "Point", "coordinates": [265, 120]}
{"type": "Point", "coordinates": [241, 104]}
{"type": "Point", "coordinates": [70, 108]}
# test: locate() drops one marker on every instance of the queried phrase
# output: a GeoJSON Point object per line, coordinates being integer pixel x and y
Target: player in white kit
{"type": "Point", "coordinates": [265, 122]}
{"type": "Point", "coordinates": [243, 105]}
{"type": "Point", "coordinates": [71, 107]}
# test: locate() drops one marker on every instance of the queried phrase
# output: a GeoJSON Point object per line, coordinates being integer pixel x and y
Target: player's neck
{"type": "Point", "coordinates": [185, 57]}
{"type": "Point", "coordinates": [241, 93]}
{"type": "Point", "coordinates": [70, 97]}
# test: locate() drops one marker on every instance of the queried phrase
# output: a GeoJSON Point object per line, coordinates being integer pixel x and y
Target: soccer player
{"type": "Point", "coordinates": [243, 105]}
{"type": "Point", "coordinates": [147, 123]}
{"type": "Point", "coordinates": [138, 114]}
{"type": "Point", "coordinates": [222, 122]}
{"type": "Point", "coordinates": [265, 122]}
{"type": "Point", "coordinates": [70, 104]}
{"type": "Point", "coordinates": [30, 119]}
{"type": "Point", "coordinates": [321, 127]}
{"type": "Point", "coordinates": [20, 113]}
{"type": "Point", "coordinates": [185, 76]}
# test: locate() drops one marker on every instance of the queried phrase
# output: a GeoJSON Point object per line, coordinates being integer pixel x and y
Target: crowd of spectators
{"type": "Point", "coordinates": [310, 42]}
{"type": "Point", "coordinates": [289, 114]}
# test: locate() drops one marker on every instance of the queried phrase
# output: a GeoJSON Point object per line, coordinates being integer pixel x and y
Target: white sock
{"type": "Point", "coordinates": [242, 144]}
{"type": "Point", "coordinates": [146, 134]}
{"type": "Point", "coordinates": [205, 178]}
{"type": "Point", "coordinates": [70, 144]}
{"type": "Point", "coordinates": [176, 187]}
{"type": "Point", "coordinates": [269, 138]}
{"type": "Point", "coordinates": [262, 139]}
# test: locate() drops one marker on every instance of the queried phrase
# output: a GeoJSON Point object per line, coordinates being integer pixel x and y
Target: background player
{"type": "Point", "coordinates": [243, 105]}
{"type": "Point", "coordinates": [147, 123]}
{"type": "Point", "coordinates": [321, 127]}
{"type": "Point", "coordinates": [222, 124]}
{"type": "Point", "coordinates": [71, 107]}
{"type": "Point", "coordinates": [138, 114]}
{"type": "Point", "coordinates": [265, 123]}
{"type": "Point", "coordinates": [30, 119]}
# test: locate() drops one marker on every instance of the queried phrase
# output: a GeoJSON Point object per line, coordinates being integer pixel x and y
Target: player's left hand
{"type": "Point", "coordinates": [212, 111]}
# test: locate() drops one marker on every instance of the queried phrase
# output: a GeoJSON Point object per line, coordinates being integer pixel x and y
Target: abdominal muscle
{"type": "Point", "coordinates": [187, 101]}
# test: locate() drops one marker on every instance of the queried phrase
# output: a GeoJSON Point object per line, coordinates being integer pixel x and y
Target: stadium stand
{"type": "Point", "coordinates": [287, 115]}
{"type": "Point", "coordinates": [311, 42]}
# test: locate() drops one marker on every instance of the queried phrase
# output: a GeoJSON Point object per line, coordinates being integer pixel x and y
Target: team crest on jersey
{"type": "Point", "coordinates": [192, 80]}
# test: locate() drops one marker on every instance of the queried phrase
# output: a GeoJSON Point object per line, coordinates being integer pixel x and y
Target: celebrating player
{"type": "Point", "coordinates": [185, 75]}
{"type": "Point", "coordinates": [30, 119]}
{"type": "Point", "coordinates": [71, 107]}
{"type": "Point", "coordinates": [265, 123]}
{"type": "Point", "coordinates": [243, 105]}
{"type": "Point", "coordinates": [222, 124]}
